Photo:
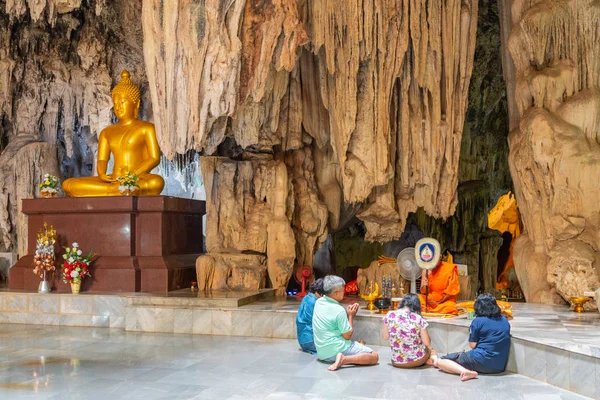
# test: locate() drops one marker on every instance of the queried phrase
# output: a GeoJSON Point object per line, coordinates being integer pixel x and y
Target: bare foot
{"type": "Point", "coordinates": [339, 360]}
{"type": "Point", "coordinates": [465, 376]}
{"type": "Point", "coordinates": [432, 360]}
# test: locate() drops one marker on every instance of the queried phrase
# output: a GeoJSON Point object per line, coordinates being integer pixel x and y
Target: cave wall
{"type": "Point", "coordinates": [315, 77]}
{"type": "Point", "coordinates": [56, 63]}
{"type": "Point", "coordinates": [362, 104]}
{"type": "Point", "coordinates": [553, 53]}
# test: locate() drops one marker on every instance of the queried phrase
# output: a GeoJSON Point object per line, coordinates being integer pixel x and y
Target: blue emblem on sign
{"type": "Point", "coordinates": [426, 252]}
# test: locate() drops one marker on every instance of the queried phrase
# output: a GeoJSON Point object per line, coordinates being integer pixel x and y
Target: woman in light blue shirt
{"type": "Point", "coordinates": [304, 329]}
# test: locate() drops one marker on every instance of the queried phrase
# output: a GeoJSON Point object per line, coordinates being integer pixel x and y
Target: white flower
{"type": "Point", "coordinates": [121, 188]}
{"type": "Point", "coordinates": [65, 256]}
{"type": "Point", "coordinates": [75, 245]}
{"type": "Point", "coordinates": [79, 252]}
{"type": "Point", "coordinates": [71, 260]}
{"type": "Point", "coordinates": [74, 274]}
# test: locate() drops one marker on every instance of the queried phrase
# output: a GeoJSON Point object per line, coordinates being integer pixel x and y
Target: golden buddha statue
{"type": "Point", "coordinates": [133, 145]}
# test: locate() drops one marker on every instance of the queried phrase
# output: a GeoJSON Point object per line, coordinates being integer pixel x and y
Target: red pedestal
{"type": "Point", "coordinates": [144, 244]}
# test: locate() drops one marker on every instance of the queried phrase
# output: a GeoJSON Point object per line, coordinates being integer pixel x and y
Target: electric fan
{"type": "Point", "coordinates": [409, 269]}
{"type": "Point", "coordinates": [304, 275]}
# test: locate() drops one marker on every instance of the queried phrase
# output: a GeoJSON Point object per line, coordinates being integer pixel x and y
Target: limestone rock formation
{"type": "Point", "coordinates": [554, 146]}
{"type": "Point", "coordinates": [358, 88]}
{"type": "Point", "coordinates": [22, 167]}
{"type": "Point", "coordinates": [341, 97]}
{"type": "Point", "coordinates": [37, 9]}
{"type": "Point", "coordinates": [231, 271]}
{"type": "Point", "coordinates": [280, 237]}
{"type": "Point", "coordinates": [362, 103]}
{"type": "Point", "coordinates": [483, 172]}
{"type": "Point", "coordinates": [55, 85]}
{"type": "Point", "coordinates": [310, 216]}
{"type": "Point", "coordinates": [225, 53]}
{"type": "Point", "coordinates": [247, 212]}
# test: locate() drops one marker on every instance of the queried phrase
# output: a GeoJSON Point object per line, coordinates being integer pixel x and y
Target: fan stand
{"type": "Point", "coordinates": [305, 274]}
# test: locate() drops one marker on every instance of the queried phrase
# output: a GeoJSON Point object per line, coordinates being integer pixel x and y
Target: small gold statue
{"type": "Point", "coordinates": [133, 145]}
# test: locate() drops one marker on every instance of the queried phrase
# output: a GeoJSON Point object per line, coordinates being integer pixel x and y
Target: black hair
{"type": "Point", "coordinates": [411, 301]}
{"type": "Point", "coordinates": [486, 306]}
{"type": "Point", "coordinates": [317, 287]}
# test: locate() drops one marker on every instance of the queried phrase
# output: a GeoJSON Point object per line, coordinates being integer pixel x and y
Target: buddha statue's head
{"type": "Point", "coordinates": [126, 98]}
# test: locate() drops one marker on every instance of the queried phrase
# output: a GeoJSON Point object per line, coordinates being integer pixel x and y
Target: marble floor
{"type": "Point", "coordinates": [50, 362]}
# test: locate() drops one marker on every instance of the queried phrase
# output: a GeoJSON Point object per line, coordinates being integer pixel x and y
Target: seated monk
{"type": "Point", "coordinates": [133, 145]}
{"type": "Point", "coordinates": [443, 288]}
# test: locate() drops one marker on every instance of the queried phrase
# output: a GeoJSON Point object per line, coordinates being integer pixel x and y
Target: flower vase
{"type": "Point", "coordinates": [127, 192]}
{"type": "Point", "coordinates": [44, 284]}
{"type": "Point", "coordinates": [75, 287]}
{"type": "Point", "coordinates": [48, 194]}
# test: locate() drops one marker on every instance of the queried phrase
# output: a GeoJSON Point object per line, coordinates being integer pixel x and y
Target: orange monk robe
{"type": "Point", "coordinates": [443, 280]}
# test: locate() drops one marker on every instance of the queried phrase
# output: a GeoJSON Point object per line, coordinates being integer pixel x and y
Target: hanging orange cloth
{"type": "Point", "coordinates": [443, 280]}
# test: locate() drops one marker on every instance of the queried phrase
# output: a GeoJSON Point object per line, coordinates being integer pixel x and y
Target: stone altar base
{"type": "Point", "coordinates": [144, 244]}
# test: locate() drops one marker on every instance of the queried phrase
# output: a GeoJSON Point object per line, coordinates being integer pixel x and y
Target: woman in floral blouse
{"type": "Point", "coordinates": [407, 333]}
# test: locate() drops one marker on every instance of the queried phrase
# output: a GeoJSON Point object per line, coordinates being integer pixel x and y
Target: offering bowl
{"type": "Point", "coordinates": [578, 303]}
{"type": "Point", "coordinates": [383, 305]}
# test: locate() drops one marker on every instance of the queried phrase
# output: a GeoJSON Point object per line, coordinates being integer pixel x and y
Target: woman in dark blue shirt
{"type": "Point", "coordinates": [489, 339]}
{"type": "Point", "coordinates": [304, 329]}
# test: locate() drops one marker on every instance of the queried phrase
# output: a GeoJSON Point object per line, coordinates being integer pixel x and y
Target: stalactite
{"type": "Point", "coordinates": [192, 54]}
{"type": "Point", "coordinates": [309, 221]}
{"type": "Point", "coordinates": [39, 8]}
{"type": "Point", "coordinates": [226, 73]}
{"type": "Point", "coordinates": [429, 48]}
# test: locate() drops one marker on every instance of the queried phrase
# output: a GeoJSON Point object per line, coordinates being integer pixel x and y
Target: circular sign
{"type": "Point", "coordinates": [428, 253]}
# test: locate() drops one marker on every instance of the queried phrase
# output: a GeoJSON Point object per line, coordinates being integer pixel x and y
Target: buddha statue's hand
{"type": "Point", "coordinates": [107, 178]}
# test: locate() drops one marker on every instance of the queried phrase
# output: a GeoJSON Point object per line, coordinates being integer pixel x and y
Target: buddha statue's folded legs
{"type": "Point", "coordinates": [92, 186]}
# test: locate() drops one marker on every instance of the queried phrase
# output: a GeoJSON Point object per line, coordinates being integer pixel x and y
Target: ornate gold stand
{"type": "Point", "coordinates": [370, 303]}
{"type": "Point", "coordinates": [578, 303]}
{"type": "Point", "coordinates": [371, 297]}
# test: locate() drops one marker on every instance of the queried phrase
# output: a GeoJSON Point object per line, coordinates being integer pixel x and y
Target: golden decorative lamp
{"type": "Point", "coordinates": [578, 303]}
{"type": "Point", "coordinates": [133, 145]}
{"type": "Point", "coordinates": [371, 296]}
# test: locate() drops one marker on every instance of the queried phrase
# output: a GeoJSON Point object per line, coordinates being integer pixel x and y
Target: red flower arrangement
{"type": "Point", "coordinates": [76, 266]}
{"type": "Point", "coordinates": [75, 271]}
